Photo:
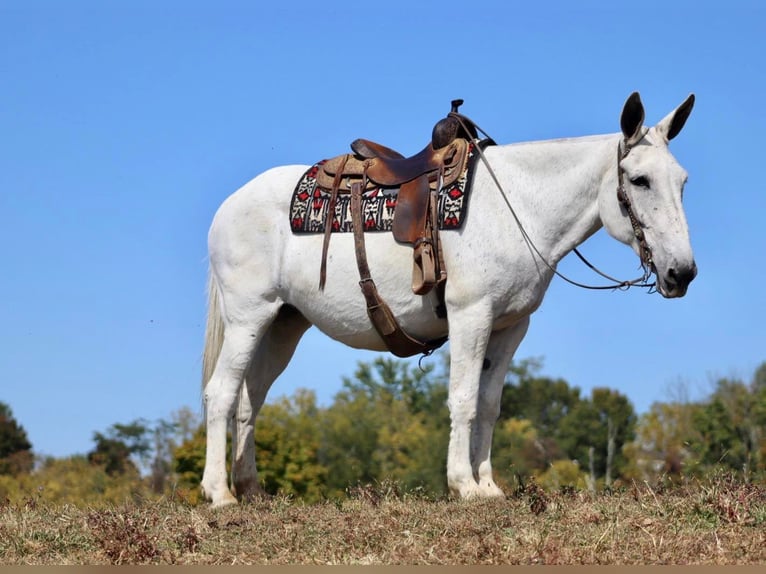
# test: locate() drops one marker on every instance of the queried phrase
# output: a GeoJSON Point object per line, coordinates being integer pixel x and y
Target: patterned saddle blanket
{"type": "Point", "coordinates": [309, 204]}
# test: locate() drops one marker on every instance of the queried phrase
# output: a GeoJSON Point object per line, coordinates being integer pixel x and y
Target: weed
{"type": "Point", "coordinates": [125, 536]}
{"type": "Point", "coordinates": [188, 540]}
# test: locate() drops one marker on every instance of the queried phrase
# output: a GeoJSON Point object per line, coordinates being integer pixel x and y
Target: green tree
{"type": "Point", "coordinates": [15, 449]}
{"type": "Point", "coordinates": [727, 429]}
{"type": "Point", "coordinates": [189, 464]}
{"type": "Point", "coordinates": [544, 403]}
{"type": "Point", "coordinates": [759, 378]}
{"type": "Point", "coordinates": [163, 445]}
{"type": "Point", "coordinates": [519, 452]}
{"type": "Point", "coordinates": [661, 447]}
{"type": "Point", "coordinates": [114, 449]}
{"type": "Point", "coordinates": [594, 432]}
{"type": "Point", "coordinates": [390, 421]}
{"type": "Point", "coordinates": [727, 424]}
{"type": "Point", "coordinates": [287, 440]}
{"type": "Point", "coordinates": [758, 389]}
{"type": "Point", "coordinates": [542, 400]}
{"type": "Point", "coordinates": [563, 473]}
{"type": "Point", "coordinates": [144, 446]}
{"type": "Point", "coordinates": [74, 480]}
{"type": "Point", "coordinates": [165, 437]}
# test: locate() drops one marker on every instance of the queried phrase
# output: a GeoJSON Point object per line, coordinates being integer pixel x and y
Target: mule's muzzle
{"type": "Point", "coordinates": [677, 279]}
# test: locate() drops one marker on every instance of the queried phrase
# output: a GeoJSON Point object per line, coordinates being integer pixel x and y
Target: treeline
{"type": "Point", "coordinates": [390, 424]}
{"type": "Point", "coordinates": [133, 460]}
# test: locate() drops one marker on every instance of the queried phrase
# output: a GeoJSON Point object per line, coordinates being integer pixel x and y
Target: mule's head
{"type": "Point", "coordinates": [650, 218]}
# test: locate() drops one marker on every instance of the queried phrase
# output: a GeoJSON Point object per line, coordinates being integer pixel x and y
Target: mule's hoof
{"type": "Point", "coordinates": [470, 489]}
{"type": "Point", "coordinates": [490, 490]}
{"type": "Point", "coordinates": [219, 499]}
{"type": "Point", "coordinates": [223, 501]}
{"type": "Point", "coordinates": [250, 490]}
{"type": "Point", "coordinates": [466, 490]}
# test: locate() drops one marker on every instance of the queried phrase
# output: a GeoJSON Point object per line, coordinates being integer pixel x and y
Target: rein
{"type": "Point", "coordinates": [622, 196]}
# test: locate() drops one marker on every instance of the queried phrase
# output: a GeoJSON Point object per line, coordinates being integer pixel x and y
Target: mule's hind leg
{"type": "Point", "coordinates": [271, 358]}
{"type": "Point", "coordinates": [240, 341]}
{"type": "Point", "coordinates": [500, 350]}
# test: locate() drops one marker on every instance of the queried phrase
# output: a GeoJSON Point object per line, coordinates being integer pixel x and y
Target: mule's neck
{"type": "Point", "coordinates": [558, 203]}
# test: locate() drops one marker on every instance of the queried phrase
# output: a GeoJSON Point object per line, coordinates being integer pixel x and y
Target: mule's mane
{"type": "Point", "coordinates": [566, 140]}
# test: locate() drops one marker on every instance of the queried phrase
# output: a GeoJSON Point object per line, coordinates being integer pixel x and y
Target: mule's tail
{"type": "Point", "coordinates": [213, 330]}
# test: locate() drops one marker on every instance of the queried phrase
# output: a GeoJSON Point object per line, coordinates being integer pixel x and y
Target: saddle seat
{"type": "Point", "coordinates": [369, 149]}
{"type": "Point", "coordinates": [404, 168]}
{"type": "Point", "coordinates": [389, 170]}
{"type": "Point", "coordinates": [387, 167]}
{"type": "Point", "coordinates": [384, 167]}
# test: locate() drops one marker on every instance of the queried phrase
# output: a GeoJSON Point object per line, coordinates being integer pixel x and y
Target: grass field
{"type": "Point", "coordinates": [723, 522]}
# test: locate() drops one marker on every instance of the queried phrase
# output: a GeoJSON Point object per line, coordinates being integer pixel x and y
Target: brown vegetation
{"type": "Point", "coordinates": [718, 522]}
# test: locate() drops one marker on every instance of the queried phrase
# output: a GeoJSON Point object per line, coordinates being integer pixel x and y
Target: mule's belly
{"type": "Point", "coordinates": [339, 310]}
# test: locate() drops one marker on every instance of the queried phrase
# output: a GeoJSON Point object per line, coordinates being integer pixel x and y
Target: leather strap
{"type": "Point", "coordinates": [328, 221]}
{"type": "Point", "coordinates": [397, 341]}
{"type": "Point", "coordinates": [428, 267]}
{"type": "Point", "coordinates": [645, 252]}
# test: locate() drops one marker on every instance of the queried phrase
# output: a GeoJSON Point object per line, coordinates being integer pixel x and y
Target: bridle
{"type": "Point", "coordinates": [645, 252]}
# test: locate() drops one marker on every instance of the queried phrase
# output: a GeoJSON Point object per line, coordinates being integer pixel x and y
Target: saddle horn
{"type": "Point", "coordinates": [448, 129]}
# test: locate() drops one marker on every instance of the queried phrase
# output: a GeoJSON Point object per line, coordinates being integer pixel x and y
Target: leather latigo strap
{"type": "Point", "coordinates": [398, 342]}
{"type": "Point", "coordinates": [328, 223]}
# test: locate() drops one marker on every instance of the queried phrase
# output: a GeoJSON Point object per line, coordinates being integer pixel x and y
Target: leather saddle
{"type": "Point", "coordinates": [419, 179]}
{"type": "Point", "coordinates": [415, 176]}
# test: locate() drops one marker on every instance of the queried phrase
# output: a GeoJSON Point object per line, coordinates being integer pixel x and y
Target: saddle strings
{"type": "Point", "coordinates": [618, 284]}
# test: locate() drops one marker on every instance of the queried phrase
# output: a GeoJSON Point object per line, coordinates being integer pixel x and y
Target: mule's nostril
{"type": "Point", "coordinates": [682, 277]}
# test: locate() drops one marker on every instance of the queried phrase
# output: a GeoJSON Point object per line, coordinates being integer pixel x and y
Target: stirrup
{"type": "Point", "coordinates": [423, 267]}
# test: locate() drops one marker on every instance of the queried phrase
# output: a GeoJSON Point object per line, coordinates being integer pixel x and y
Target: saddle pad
{"type": "Point", "coordinates": [309, 204]}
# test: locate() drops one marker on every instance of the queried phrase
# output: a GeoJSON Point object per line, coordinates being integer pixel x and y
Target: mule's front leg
{"type": "Point", "coordinates": [468, 343]}
{"type": "Point", "coordinates": [500, 350]}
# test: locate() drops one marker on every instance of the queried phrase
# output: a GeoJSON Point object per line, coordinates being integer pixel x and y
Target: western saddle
{"type": "Point", "coordinates": [419, 179]}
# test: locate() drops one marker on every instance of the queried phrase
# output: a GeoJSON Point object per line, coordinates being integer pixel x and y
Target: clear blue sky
{"type": "Point", "coordinates": [123, 126]}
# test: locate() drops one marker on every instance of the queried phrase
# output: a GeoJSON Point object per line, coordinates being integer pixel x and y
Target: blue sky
{"type": "Point", "coordinates": [124, 125]}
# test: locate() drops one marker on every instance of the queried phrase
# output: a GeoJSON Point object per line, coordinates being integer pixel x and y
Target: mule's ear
{"type": "Point", "coordinates": [675, 120]}
{"type": "Point", "coordinates": [632, 119]}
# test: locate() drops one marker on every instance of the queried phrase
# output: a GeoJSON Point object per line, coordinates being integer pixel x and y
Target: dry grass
{"type": "Point", "coordinates": [719, 523]}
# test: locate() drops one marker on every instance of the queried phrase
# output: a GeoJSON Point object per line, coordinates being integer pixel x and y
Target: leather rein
{"type": "Point", "coordinates": [645, 252]}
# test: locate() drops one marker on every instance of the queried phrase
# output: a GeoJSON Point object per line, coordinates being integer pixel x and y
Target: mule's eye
{"type": "Point", "coordinates": [640, 181]}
